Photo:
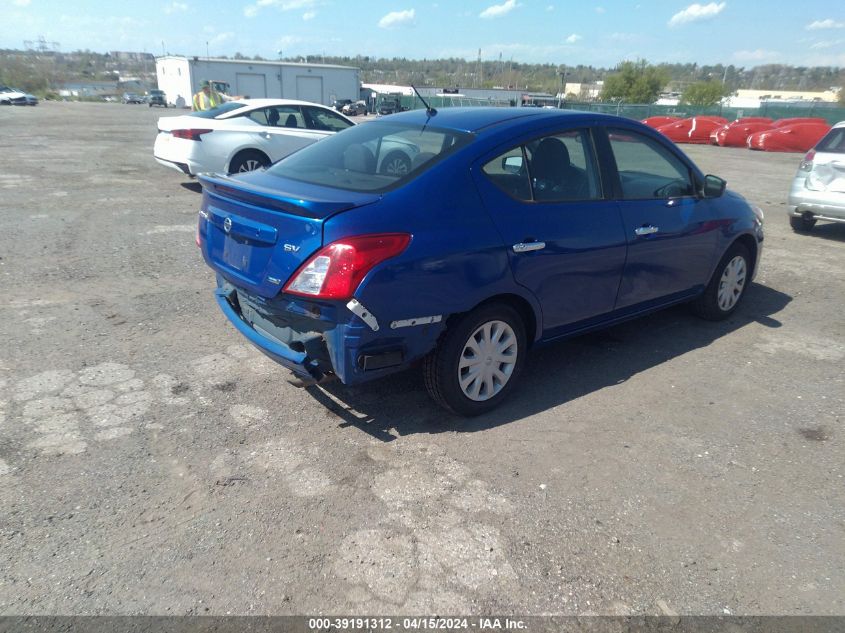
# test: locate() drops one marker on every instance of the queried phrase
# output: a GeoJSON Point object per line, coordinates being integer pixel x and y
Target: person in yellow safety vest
{"type": "Point", "coordinates": [207, 98]}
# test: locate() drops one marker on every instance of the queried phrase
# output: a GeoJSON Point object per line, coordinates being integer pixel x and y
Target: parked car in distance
{"type": "Point", "coordinates": [13, 96]}
{"type": "Point", "coordinates": [736, 134]}
{"type": "Point", "coordinates": [242, 135]}
{"type": "Point", "coordinates": [390, 106]}
{"type": "Point", "coordinates": [798, 137]}
{"type": "Point", "coordinates": [338, 104]}
{"type": "Point", "coordinates": [818, 189]}
{"type": "Point", "coordinates": [514, 227]}
{"type": "Point", "coordinates": [131, 97]}
{"type": "Point", "coordinates": [354, 109]}
{"type": "Point", "coordinates": [157, 98]}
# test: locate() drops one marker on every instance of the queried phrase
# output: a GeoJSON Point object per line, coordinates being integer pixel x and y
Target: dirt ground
{"type": "Point", "coordinates": [152, 462]}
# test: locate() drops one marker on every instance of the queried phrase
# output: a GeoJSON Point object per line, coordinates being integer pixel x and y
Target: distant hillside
{"type": "Point", "coordinates": [42, 71]}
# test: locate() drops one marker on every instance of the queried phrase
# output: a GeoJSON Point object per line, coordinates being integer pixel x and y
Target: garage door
{"type": "Point", "coordinates": [309, 89]}
{"type": "Point", "coordinates": [251, 85]}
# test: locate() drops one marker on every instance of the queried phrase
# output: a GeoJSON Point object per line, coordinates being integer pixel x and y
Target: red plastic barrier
{"type": "Point", "coordinates": [800, 137]}
{"type": "Point", "coordinates": [692, 130]}
{"type": "Point", "coordinates": [736, 134]}
{"type": "Point", "coordinates": [658, 121]}
{"type": "Point", "coordinates": [796, 120]}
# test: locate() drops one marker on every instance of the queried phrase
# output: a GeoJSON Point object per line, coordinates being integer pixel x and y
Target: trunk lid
{"type": "Point", "coordinates": [257, 229]}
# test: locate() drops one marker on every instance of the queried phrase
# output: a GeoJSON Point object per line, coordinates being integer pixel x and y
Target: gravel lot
{"type": "Point", "coordinates": [152, 462]}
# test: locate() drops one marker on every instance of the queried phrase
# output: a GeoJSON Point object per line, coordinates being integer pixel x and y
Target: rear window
{"type": "Point", "coordinates": [216, 112]}
{"type": "Point", "coordinates": [833, 142]}
{"type": "Point", "coordinates": [371, 157]}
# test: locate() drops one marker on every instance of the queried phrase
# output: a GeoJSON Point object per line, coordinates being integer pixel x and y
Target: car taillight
{"type": "Point", "coordinates": [191, 135]}
{"type": "Point", "coordinates": [335, 271]}
{"type": "Point", "coordinates": [807, 163]}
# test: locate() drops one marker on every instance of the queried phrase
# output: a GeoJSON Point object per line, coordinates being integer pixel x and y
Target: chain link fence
{"type": "Point", "coordinates": [642, 111]}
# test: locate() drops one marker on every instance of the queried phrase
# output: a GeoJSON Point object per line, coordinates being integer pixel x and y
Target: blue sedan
{"type": "Point", "coordinates": [510, 228]}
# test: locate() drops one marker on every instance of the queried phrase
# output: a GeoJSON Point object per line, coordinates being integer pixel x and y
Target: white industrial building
{"type": "Point", "coordinates": [181, 77]}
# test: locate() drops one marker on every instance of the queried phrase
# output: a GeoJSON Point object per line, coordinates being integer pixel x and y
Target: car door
{"type": "Point", "coordinates": [670, 230]}
{"type": "Point", "coordinates": [283, 130]}
{"type": "Point", "coordinates": [564, 236]}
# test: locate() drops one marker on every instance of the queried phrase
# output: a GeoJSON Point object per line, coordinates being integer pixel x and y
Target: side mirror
{"type": "Point", "coordinates": [512, 164]}
{"type": "Point", "coordinates": [714, 186]}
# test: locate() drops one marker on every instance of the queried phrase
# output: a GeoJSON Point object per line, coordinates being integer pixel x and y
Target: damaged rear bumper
{"type": "Point", "coordinates": [319, 342]}
{"type": "Point", "coordinates": [306, 369]}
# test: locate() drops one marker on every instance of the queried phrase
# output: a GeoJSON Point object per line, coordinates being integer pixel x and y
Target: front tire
{"type": "Point", "coordinates": [478, 361]}
{"type": "Point", "coordinates": [727, 287]}
{"type": "Point", "coordinates": [801, 224]}
{"type": "Point", "coordinates": [249, 160]}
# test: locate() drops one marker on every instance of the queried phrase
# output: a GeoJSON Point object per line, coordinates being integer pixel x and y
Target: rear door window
{"type": "Point", "coordinates": [833, 142]}
{"type": "Point", "coordinates": [554, 168]}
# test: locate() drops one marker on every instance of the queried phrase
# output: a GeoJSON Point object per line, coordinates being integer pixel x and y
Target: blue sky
{"type": "Point", "coordinates": [602, 33]}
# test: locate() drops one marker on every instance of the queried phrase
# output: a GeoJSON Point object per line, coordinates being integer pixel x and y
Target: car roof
{"type": "Point", "coordinates": [264, 103]}
{"type": "Point", "coordinates": [477, 119]}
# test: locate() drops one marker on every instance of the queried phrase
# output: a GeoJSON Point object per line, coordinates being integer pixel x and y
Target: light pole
{"type": "Point", "coordinates": [562, 74]}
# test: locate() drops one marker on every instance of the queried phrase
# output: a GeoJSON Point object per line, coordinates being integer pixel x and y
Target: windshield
{"type": "Point", "coordinates": [371, 157]}
{"type": "Point", "coordinates": [216, 112]}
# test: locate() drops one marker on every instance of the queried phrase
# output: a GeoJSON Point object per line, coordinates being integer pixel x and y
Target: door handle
{"type": "Point", "coordinates": [526, 247]}
{"type": "Point", "coordinates": [646, 230]}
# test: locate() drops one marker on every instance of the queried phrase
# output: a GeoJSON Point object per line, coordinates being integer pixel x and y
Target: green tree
{"type": "Point", "coordinates": [635, 83]}
{"type": "Point", "coordinates": [704, 93]}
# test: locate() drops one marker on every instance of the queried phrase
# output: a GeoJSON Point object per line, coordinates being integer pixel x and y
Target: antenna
{"type": "Point", "coordinates": [428, 109]}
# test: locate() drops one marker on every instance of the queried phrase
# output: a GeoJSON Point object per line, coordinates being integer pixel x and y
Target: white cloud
{"type": "Point", "coordinates": [309, 15]}
{"type": "Point", "coordinates": [697, 12]}
{"type": "Point", "coordinates": [601, 10]}
{"type": "Point", "coordinates": [288, 41]}
{"type": "Point", "coordinates": [550, 7]}
{"type": "Point", "coordinates": [623, 37]}
{"type": "Point", "coordinates": [498, 10]}
{"type": "Point", "coordinates": [21, 3]}
{"type": "Point", "coordinates": [824, 24]}
{"type": "Point", "coordinates": [220, 38]}
{"type": "Point", "coordinates": [827, 44]}
{"type": "Point", "coordinates": [757, 55]}
{"type": "Point", "coordinates": [397, 18]}
{"type": "Point", "coordinates": [175, 7]}
{"type": "Point", "coordinates": [252, 10]}
{"type": "Point", "coordinates": [573, 38]}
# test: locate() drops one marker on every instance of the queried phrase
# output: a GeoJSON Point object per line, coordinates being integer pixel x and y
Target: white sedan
{"type": "Point", "coordinates": [242, 135]}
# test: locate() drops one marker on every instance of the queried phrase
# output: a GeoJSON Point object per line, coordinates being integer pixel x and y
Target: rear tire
{"type": "Point", "coordinates": [801, 224]}
{"type": "Point", "coordinates": [248, 160]}
{"type": "Point", "coordinates": [395, 164]}
{"type": "Point", "coordinates": [727, 287]}
{"type": "Point", "coordinates": [477, 361]}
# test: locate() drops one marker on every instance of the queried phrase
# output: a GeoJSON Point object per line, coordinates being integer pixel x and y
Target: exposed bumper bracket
{"type": "Point", "coordinates": [362, 313]}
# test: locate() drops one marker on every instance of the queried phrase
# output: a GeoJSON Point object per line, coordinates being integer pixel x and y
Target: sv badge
{"type": "Point", "coordinates": [291, 248]}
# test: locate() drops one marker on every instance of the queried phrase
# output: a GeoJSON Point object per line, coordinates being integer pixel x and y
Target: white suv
{"type": "Point", "coordinates": [818, 190]}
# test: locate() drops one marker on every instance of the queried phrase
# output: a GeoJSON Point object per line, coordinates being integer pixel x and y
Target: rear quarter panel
{"type": "Point", "coordinates": [456, 258]}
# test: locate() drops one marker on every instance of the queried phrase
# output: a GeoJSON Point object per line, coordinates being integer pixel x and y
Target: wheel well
{"type": "Point", "coordinates": [248, 150]}
{"type": "Point", "coordinates": [516, 302]}
{"type": "Point", "coordinates": [750, 243]}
